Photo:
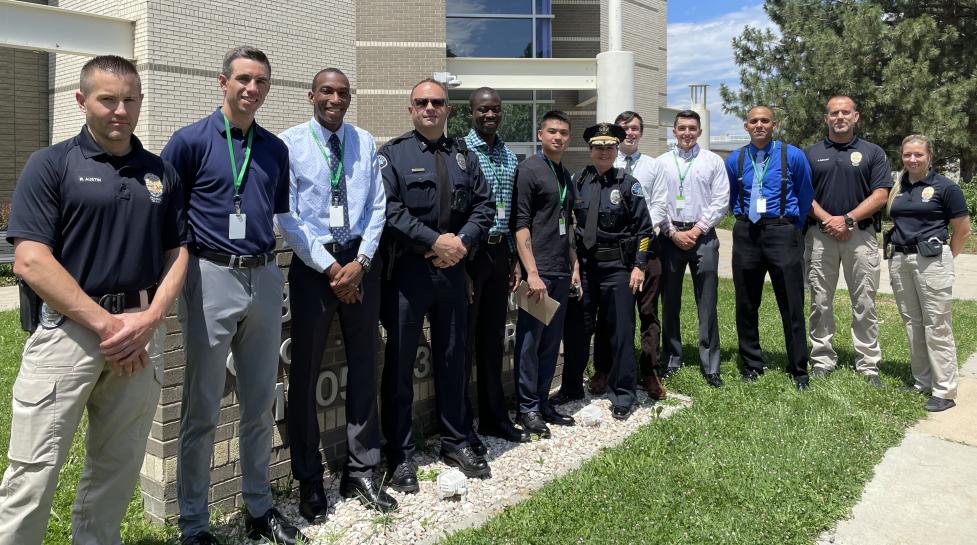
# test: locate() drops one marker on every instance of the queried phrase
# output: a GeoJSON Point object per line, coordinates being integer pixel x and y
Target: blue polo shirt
{"type": "Point", "coordinates": [108, 219]}
{"type": "Point", "coordinates": [800, 192]}
{"type": "Point", "coordinates": [199, 154]}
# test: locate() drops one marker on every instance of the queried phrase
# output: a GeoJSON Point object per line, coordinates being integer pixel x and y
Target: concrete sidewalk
{"type": "Point", "coordinates": [965, 266]}
{"type": "Point", "coordinates": [924, 489]}
{"type": "Point", "coordinates": [9, 298]}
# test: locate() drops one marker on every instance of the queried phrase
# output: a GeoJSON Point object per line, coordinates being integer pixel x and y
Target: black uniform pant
{"type": "Point", "coordinates": [777, 247]}
{"type": "Point", "coordinates": [537, 349]}
{"type": "Point", "coordinates": [489, 270]}
{"type": "Point", "coordinates": [417, 289]}
{"type": "Point", "coordinates": [606, 294]}
{"type": "Point", "coordinates": [650, 325]}
{"type": "Point", "coordinates": [313, 305]}
{"type": "Point", "coordinates": [703, 262]}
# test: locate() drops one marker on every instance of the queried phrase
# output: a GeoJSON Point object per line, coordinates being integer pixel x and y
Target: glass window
{"type": "Point", "coordinates": [509, 38]}
{"type": "Point", "coordinates": [491, 6]}
{"type": "Point", "coordinates": [517, 121]}
{"type": "Point", "coordinates": [543, 7]}
{"type": "Point", "coordinates": [544, 41]}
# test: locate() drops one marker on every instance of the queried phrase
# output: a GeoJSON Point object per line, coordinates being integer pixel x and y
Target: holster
{"type": "Point", "coordinates": [30, 306]}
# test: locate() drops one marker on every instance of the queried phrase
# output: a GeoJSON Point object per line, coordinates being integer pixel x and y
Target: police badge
{"type": "Point", "coordinates": [856, 158]}
{"type": "Point", "coordinates": [460, 159]}
{"type": "Point", "coordinates": [155, 187]}
{"type": "Point", "coordinates": [615, 197]}
{"type": "Point", "coordinates": [927, 194]}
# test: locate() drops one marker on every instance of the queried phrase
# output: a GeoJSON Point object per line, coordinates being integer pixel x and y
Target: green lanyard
{"type": "Point", "coordinates": [333, 176]}
{"type": "Point", "coordinates": [238, 175]}
{"type": "Point", "coordinates": [759, 174]}
{"type": "Point", "coordinates": [682, 175]}
{"type": "Point", "coordinates": [559, 181]}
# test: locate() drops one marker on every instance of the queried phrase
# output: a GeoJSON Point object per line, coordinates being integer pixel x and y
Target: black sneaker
{"type": "Point", "coordinates": [938, 404]}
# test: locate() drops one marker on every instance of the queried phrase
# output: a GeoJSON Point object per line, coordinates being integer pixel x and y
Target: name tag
{"type": "Point", "coordinates": [680, 202]}
{"type": "Point", "coordinates": [237, 225]}
{"type": "Point", "coordinates": [761, 205]}
{"type": "Point", "coordinates": [500, 209]}
{"type": "Point", "coordinates": [336, 216]}
{"type": "Point", "coordinates": [563, 226]}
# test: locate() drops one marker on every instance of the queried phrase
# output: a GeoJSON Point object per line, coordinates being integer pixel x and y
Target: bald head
{"type": "Point", "coordinates": [760, 123]}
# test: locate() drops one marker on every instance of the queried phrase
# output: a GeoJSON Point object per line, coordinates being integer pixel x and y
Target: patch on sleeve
{"type": "Point", "coordinates": [636, 190]}
{"type": "Point", "coordinates": [383, 161]}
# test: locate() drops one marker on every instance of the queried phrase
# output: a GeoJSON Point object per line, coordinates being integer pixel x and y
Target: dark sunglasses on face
{"type": "Point", "coordinates": [487, 109]}
{"type": "Point", "coordinates": [435, 102]}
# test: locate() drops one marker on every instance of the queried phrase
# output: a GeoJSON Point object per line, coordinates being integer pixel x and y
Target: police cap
{"type": "Point", "coordinates": [603, 134]}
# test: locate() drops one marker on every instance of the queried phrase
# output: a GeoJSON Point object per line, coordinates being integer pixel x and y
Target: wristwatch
{"type": "Point", "coordinates": [850, 222]}
{"type": "Point", "coordinates": [364, 262]}
{"type": "Point", "coordinates": [464, 240]}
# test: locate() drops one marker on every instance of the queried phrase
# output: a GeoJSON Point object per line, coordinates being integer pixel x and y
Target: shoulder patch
{"type": "Point", "coordinates": [382, 159]}
{"type": "Point", "coordinates": [636, 189]}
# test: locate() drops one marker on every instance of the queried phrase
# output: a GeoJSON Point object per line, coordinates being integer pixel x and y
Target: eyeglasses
{"type": "Point", "coordinates": [435, 102]}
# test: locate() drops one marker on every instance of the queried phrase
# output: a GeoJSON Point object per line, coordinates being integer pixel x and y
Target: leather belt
{"type": "Point", "coordinates": [683, 225]}
{"type": "Point", "coordinates": [236, 261]}
{"type": "Point", "coordinates": [786, 220]}
{"type": "Point", "coordinates": [907, 249]}
{"type": "Point", "coordinates": [335, 247]}
{"type": "Point", "coordinates": [117, 303]}
{"type": "Point", "coordinates": [495, 238]}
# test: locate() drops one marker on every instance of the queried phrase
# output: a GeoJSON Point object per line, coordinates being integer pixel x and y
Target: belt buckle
{"type": "Point", "coordinates": [494, 238]}
{"type": "Point", "coordinates": [114, 303]}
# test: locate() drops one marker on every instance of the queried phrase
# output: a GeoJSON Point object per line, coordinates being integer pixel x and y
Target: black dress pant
{"type": "Point", "coordinates": [489, 270]}
{"type": "Point", "coordinates": [417, 289]}
{"type": "Point", "coordinates": [313, 305]}
{"type": "Point", "coordinates": [649, 323]}
{"type": "Point", "coordinates": [703, 263]}
{"type": "Point", "coordinates": [775, 246]}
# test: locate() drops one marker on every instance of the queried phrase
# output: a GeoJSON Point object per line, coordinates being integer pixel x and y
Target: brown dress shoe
{"type": "Point", "coordinates": [655, 389]}
{"type": "Point", "coordinates": [598, 384]}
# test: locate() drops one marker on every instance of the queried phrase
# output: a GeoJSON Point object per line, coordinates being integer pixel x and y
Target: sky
{"type": "Point", "coordinates": [699, 51]}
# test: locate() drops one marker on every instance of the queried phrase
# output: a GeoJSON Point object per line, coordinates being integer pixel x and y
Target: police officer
{"type": "Point", "coordinates": [613, 243]}
{"type": "Point", "coordinates": [98, 230]}
{"type": "Point", "coordinates": [923, 206]}
{"type": "Point", "coordinates": [438, 206]}
{"type": "Point", "coordinates": [851, 179]}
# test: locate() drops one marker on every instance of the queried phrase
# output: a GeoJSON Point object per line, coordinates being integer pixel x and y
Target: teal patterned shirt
{"type": "Point", "coordinates": [499, 168]}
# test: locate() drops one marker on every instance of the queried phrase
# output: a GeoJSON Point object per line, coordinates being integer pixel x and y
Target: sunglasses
{"type": "Point", "coordinates": [435, 102]}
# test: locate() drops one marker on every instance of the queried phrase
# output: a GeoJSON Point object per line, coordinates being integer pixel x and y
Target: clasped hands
{"type": "Point", "coordinates": [124, 338]}
{"type": "Point", "coordinates": [836, 227]}
{"type": "Point", "coordinates": [448, 250]}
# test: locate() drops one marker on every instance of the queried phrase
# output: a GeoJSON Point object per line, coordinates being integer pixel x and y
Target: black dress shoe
{"type": "Point", "coordinates": [938, 404]}
{"type": "Point", "coordinates": [313, 505]}
{"type": "Point", "coordinates": [562, 399]}
{"type": "Point", "coordinates": [471, 464]}
{"type": "Point", "coordinates": [714, 380]}
{"type": "Point", "coordinates": [367, 491]}
{"type": "Point", "coordinates": [669, 373]}
{"type": "Point", "coordinates": [508, 432]}
{"type": "Point", "coordinates": [533, 423]}
{"type": "Point", "coordinates": [802, 383]}
{"type": "Point", "coordinates": [404, 478]}
{"type": "Point", "coordinates": [622, 413]}
{"type": "Point", "coordinates": [271, 526]}
{"type": "Point", "coordinates": [552, 416]}
{"type": "Point", "coordinates": [203, 538]}
{"type": "Point", "coordinates": [749, 375]}
{"type": "Point", "coordinates": [478, 447]}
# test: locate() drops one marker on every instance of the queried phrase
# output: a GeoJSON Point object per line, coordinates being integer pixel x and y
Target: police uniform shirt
{"type": "Point", "coordinates": [844, 175]}
{"type": "Point", "coordinates": [800, 193]}
{"type": "Point", "coordinates": [410, 174]}
{"type": "Point", "coordinates": [108, 219]}
{"type": "Point", "coordinates": [199, 154]}
{"type": "Point", "coordinates": [923, 209]}
{"type": "Point", "coordinates": [537, 208]}
{"type": "Point", "coordinates": [623, 213]}
{"type": "Point", "coordinates": [306, 226]}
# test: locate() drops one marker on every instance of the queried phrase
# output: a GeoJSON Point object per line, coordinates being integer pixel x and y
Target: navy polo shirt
{"type": "Point", "coordinates": [199, 154]}
{"type": "Point", "coordinates": [923, 210]}
{"type": "Point", "coordinates": [800, 194]}
{"type": "Point", "coordinates": [108, 220]}
{"type": "Point", "coordinates": [844, 175]}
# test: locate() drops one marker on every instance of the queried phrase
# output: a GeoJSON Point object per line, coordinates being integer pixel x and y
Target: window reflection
{"type": "Point", "coordinates": [510, 38]}
{"type": "Point", "coordinates": [491, 6]}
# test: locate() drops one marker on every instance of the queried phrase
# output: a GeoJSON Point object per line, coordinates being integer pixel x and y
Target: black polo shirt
{"type": "Point", "coordinates": [107, 219]}
{"type": "Point", "coordinates": [844, 175]}
{"type": "Point", "coordinates": [924, 209]}
{"type": "Point", "coordinates": [536, 206]}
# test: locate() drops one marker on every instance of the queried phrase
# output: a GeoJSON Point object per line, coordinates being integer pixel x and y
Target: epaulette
{"type": "Point", "coordinates": [461, 145]}
{"type": "Point", "coordinates": [397, 139]}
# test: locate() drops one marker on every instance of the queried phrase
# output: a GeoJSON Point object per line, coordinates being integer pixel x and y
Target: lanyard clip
{"type": "Point", "coordinates": [237, 204]}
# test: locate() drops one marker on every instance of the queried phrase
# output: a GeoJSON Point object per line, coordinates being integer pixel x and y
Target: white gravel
{"type": "Point", "coordinates": [517, 470]}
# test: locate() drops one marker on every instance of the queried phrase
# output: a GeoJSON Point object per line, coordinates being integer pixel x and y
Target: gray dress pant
{"type": "Point", "coordinates": [703, 262]}
{"type": "Point", "coordinates": [238, 311]}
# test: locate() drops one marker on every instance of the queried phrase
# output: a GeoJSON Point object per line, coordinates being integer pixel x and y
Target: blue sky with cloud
{"type": "Point", "coordinates": [700, 51]}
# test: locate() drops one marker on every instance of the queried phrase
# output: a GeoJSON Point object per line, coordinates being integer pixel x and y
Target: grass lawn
{"type": "Point", "coordinates": [748, 464]}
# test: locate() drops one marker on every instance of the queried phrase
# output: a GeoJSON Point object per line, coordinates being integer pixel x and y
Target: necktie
{"type": "Point", "coordinates": [757, 191]}
{"type": "Point", "coordinates": [444, 192]}
{"type": "Point", "coordinates": [629, 162]}
{"type": "Point", "coordinates": [340, 235]}
{"type": "Point", "coordinates": [590, 230]}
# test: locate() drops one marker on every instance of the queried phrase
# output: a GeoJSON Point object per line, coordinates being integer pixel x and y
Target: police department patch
{"type": "Point", "coordinates": [460, 159]}
{"type": "Point", "coordinates": [856, 158]}
{"type": "Point", "coordinates": [615, 197]}
{"type": "Point", "coordinates": [927, 194]}
{"type": "Point", "coordinates": [636, 189]}
{"type": "Point", "coordinates": [383, 161]}
{"type": "Point", "coordinates": [155, 187]}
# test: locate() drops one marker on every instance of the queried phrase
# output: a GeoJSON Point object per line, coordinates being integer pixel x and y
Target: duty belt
{"type": "Point", "coordinates": [908, 248]}
{"type": "Point", "coordinates": [236, 261]}
{"type": "Point", "coordinates": [117, 303]}
{"type": "Point", "coordinates": [335, 247]}
{"type": "Point", "coordinates": [606, 252]}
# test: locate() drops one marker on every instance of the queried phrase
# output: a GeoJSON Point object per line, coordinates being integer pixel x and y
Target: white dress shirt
{"type": "Point", "coordinates": [649, 173]}
{"type": "Point", "coordinates": [706, 188]}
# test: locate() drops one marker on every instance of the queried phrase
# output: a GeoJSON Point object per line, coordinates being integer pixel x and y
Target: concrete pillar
{"type": "Point", "coordinates": [615, 84]}
{"type": "Point", "coordinates": [698, 91]}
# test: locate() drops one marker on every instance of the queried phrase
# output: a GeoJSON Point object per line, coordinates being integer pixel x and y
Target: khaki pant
{"type": "Point", "coordinates": [923, 288]}
{"type": "Point", "coordinates": [62, 374]}
{"type": "Point", "coordinates": [859, 259]}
